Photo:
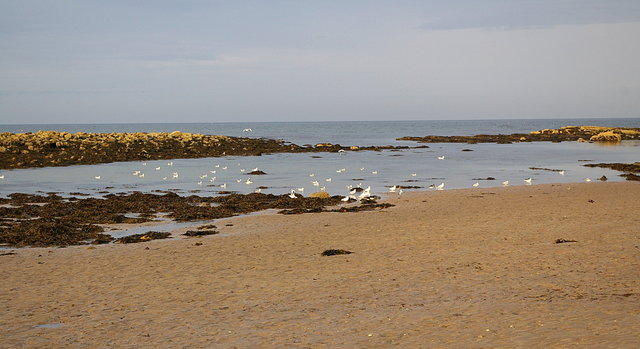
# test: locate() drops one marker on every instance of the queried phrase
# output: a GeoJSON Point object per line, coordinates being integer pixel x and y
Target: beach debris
{"type": "Point", "coordinates": [562, 241]}
{"type": "Point", "coordinates": [335, 252]}
{"type": "Point", "coordinates": [603, 178]}
{"type": "Point", "coordinates": [7, 253]}
{"type": "Point", "coordinates": [135, 238]}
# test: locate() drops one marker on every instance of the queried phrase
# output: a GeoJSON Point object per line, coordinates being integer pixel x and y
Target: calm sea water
{"type": "Point", "coordinates": [415, 167]}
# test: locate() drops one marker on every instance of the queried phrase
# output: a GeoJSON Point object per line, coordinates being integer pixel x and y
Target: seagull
{"type": "Point", "coordinates": [365, 193]}
{"type": "Point", "coordinates": [441, 157]}
{"type": "Point", "coordinates": [328, 180]}
{"type": "Point", "coordinates": [301, 190]}
{"type": "Point", "coordinates": [345, 199]}
{"type": "Point", "coordinates": [203, 176]}
{"type": "Point", "coordinates": [432, 186]}
{"type": "Point", "coordinates": [242, 170]}
{"type": "Point", "coordinates": [323, 188]}
{"type": "Point", "coordinates": [293, 194]}
{"type": "Point", "coordinates": [214, 171]}
{"type": "Point", "coordinates": [200, 183]}
{"type": "Point", "coordinates": [414, 174]}
{"type": "Point", "coordinates": [158, 168]}
{"type": "Point", "coordinates": [248, 181]}
{"type": "Point", "coordinates": [224, 185]}
{"type": "Point", "coordinates": [224, 168]}
{"type": "Point", "coordinates": [440, 187]}
{"type": "Point", "coordinates": [135, 173]}
{"type": "Point", "coordinates": [239, 180]}
{"type": "Point", "coordinates": [254, 170]}
{"type": "Point", "coordinates": [247, 130]}
{"type": "Point", "coordinates": [352, 192]}
{"type": "Point", "coordinates": [312, 175]}
{"type": "Point", "coordinates": [259, 190]}
{"type": "Point", "coordinates": [528, 180]}
{"type": "Point", "coordinates": [374, 172]}
{"type": "Point", "coordinates": [140, 175]}
{"type": "Point", "coordinates": [170, 163]}
{"type": "Point", "coordinates": [96, 177]}
{"type": "Point", "coordinates": [144, 164]}
{"type": "Point", "coordinates": [175, 175]}
{"type": "Point", "coordinates": [476, 184]}
{"type": "Point", "coordinates": [505, 183]}
{"type": "Point", "coordinates": [561, 173]}
{"type": "Point", "coordinates": [393, 189]}
{"type": "Point", "coordinates": [341, 151]}
{"type": "Point", "coordinates": [213, 179]}
{"type": "Point", "coordinates": [315, 183]}
{"type": "Point", "coordinates": [587, 179]}
{"type": "Point", "coordinates": [361, 168]}
{"type": "Point", "coordinates": [164, 178]}
{"type": "Point", "coordinates": [217, 166]}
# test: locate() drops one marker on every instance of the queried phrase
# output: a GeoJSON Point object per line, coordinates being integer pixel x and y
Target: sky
{"type": "Point", "coordinates": [115, 61]}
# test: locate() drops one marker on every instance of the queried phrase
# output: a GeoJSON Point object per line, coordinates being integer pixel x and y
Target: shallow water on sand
{"type": "Point", "coordinates": [207, 176]}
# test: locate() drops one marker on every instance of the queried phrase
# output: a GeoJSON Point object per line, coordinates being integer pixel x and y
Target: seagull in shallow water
{"type": "Point", "coordinates": [476, 184]}
{"type": "Point", "coordinates": [223, 186]}
{"type": "Point", "coordinates": [561, 173]}
{"type": "Point", "coordinates": [393, 189]}
{"type": "Point", "coordinates": [312, 175]}
{"type": "Point", "coordinates": [259, 190]}
{"type": "Point", "coordinates": [414, 174]}
{"type": "Point", "coordinates": [170, 163]}
{"type": "Point", "coordinates": [96, 177]}
{"type": "Point", "coordinates": [249, 181]}
{"type": "Point", "coordinates": [505, 183]}
{"type": "Point", "coordinates": [587, 179]}
{"type": "Point", "coordinates": [175, 175]}
{"type": "Point", "coordinates": [301, 190]}
{"type": "Point", "coordinates": [432, 186]}
{"type": "Point", "coordinates": [158, 168]}
{"type": "Point", "coordinates": [328, 179]}
{"type": "Point", "coordinates": [247, 130]}
{"type": "Point", "coordinates": [140, 175]}
{"type": "Point", "coordinates": [441, 157]}
{"type": "Point", "coordinates": [226, 167]}
{"type": "Point", "coordinates": [440, 187]}
{"type": "Point", "coordinates": [374, 172]}
{"type": "Point", "coordinates": [528, 180]}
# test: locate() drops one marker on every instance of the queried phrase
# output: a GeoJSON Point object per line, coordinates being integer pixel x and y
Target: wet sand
{"type": "Point", "coordinates": [460, 268]}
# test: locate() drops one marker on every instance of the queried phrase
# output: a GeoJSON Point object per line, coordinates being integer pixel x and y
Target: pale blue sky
{"type": "Point", "coordinates": [210, 61]}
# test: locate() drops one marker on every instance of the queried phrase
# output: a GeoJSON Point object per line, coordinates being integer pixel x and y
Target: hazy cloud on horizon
{"type": "Point", "coordinates": [199, 61]}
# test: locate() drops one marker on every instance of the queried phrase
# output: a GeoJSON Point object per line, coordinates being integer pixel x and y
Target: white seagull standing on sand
{"type": "Point", "coordinates": [476, 184]}
{"type": "Point", "coordinates": [587, 179]}
{"type": "Point", "coordinates": [505, 183]}
{"type": "Point", "coordinates": [440, 187]}
{"type": "Point", "coordinates": [365, 193]}
{"type": "Point", "coordinates": [393, 189]}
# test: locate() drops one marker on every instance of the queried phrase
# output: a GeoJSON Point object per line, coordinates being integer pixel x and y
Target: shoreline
{"type": "Point", "coordinates": [455, 268]}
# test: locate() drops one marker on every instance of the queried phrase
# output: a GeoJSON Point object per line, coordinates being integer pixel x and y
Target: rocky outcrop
{"type": "Point", "coordinates": [566, 133]}
{"type": "Point", "coordinates": [50, 148]}
{"type": "Point", "coordinates": [631, 171]}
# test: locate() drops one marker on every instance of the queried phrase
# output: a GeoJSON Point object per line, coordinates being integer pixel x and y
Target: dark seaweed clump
{"type": "Point", "coordinates": [335, 252]}
{"type": "Point", "coordinates": [58, 222]}
{"type": "Point", "coordinates": [631, 171]}
{"type": "Point", "coordinates": [152, 235]}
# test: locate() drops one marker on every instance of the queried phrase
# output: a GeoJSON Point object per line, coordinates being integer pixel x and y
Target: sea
{"type": "Point", "coordinates": [335, 172]}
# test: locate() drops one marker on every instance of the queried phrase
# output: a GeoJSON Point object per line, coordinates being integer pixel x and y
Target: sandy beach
{"type": "Point", "coordinates": [469, 268]}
